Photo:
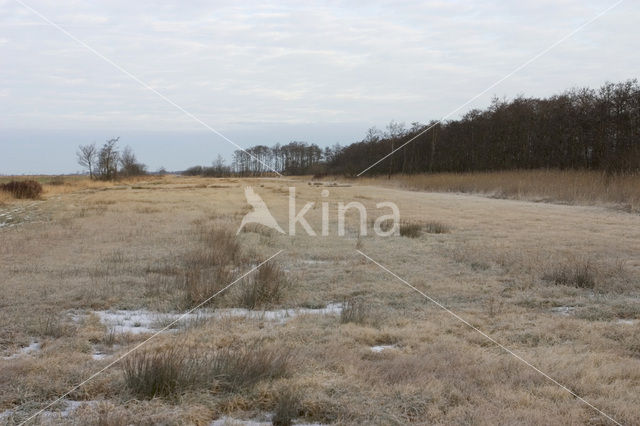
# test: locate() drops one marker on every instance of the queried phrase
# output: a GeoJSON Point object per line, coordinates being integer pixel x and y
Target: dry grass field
{"type": "Point", "coordinates": [318, 334]}
{"type": "Point", "coordinates": [560, 186]}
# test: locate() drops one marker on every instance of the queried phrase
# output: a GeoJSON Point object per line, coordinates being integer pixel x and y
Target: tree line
{"type": "Point", "coordinates": [294, 158]}
{"type": "Point", "coordinates": [593, 129]}
{"type": "Point", "coordinates": [108, 162]}
{"type": "Point", "coordinates": [578, 129]}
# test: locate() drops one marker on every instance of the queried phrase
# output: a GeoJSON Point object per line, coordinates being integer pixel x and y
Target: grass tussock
{"type": "Point", "coordinates": [580, 274]}
{"type": "Point", "coordinates": [414, 229]}
{"type": "Point", "coordinates": [435, 227]}
{"type": "Point", "coordinates": [23, 188]}
{"type": "Point", "coordinates": [265, 288]}
{"type": "Point", "coordinates": [207, 268]}
{"type": "Point", "coordinates": [590, 274]}
{"type": "Point", "coordinates": [410, 230]}
{"type": "Point", "coordinates": [169, 372]}
{"type": "Point", "coordinates": [356, 311]}
{"type": "Point", "coordinates": [287, 407]}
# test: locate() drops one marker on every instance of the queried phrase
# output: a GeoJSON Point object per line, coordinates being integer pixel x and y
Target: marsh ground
{"type": "Point", "coordinates": [559, 285]}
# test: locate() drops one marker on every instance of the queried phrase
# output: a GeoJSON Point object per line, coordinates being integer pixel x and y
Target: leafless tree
{"type": "Point", "coordinates": [87, 155]}
{"type": "Point", "coordinates": [108, 157]}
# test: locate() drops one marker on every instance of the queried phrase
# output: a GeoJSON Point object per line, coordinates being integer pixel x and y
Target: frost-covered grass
{"type": "Point", "coordinates": [116, 264]}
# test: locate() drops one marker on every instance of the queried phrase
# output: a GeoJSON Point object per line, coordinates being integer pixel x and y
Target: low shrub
{"type": "Point", "coordinates": [23, 188]}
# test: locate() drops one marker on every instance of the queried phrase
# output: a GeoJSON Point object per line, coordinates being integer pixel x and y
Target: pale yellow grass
{"type": "Point", "coordinates": [125, 248]}
{"type": "Point", "coordinates": [573, 187]}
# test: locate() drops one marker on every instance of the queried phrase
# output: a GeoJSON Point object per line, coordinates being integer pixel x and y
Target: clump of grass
{"type": "Point", "coordinates": [266, 287]}
{"type": "Point", "coordinates": [287, 407]}
{"type": "Point", "coordinates": [23, 188]}
{"type": "Point", "coordinates": [355, 310]}
{"type": "Point", "coordinates": [199, 285]}
{"type": "Point", "coordinates": [243, 367]}
{"type": "Point", "coordinates": [410, 230]}
{"type": "Point", "coordinates": [580, 274]}
{"type": "Point", "coordinates": [434, 227]}
{"type": "Point", "coordinates": [153, 373]}
{"type": "Point", "coordinates": [52, 325]}
{"type": "Point", "coordinates": [168, 372]}
{"type": "Point", "coordinates": [207, 268]}
{"type": "Point", "coordinates": [257, 228]}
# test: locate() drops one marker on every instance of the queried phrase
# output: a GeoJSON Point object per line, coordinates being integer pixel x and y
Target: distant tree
{"type": "Point", "coordinates": [87, 156]}
{"type": "Point", "coordinates": [129, 164]}
{"type": "Point", "coordinates": [108, 156]}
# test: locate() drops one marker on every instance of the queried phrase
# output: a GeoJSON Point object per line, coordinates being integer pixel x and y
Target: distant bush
{"type": "Point", "coordinates": [193, 171]}
{"type": "Point", "coordinates": [23, 189]}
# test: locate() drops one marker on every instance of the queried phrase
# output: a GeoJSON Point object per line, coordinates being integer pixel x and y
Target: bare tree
{"type": "Point", "coordinates": [108, 159]}
{"type": "Point", "coordinates": [87, 155]}
{"type": "Point", "coordinates": [129, 163]}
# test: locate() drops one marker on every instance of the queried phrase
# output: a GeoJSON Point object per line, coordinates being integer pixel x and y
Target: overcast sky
{"type": "Point", "coordinates": [264, 73]}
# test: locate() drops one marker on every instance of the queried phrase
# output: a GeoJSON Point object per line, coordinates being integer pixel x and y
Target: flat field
{"type": "Point", "coordinates": [507, 295]}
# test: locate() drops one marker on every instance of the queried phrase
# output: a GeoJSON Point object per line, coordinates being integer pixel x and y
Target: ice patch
{"type": "Point", "coordinates": [33, 347]}
{"type": "Point", "coordinates": [563, 310]}
{"type": "Point", "coordinates": [380, 348]}
{"type": "Point", "coordinates": [69, 407]}
{"type": "Point", "coordinates": [144, 321]}
{"type": "Point", "coordinates": [230, 421]}
{"type": "Point", "coordinates": [626, 321]}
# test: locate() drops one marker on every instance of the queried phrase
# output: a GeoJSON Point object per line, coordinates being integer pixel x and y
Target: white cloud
{"type": "Point", "coordinates": [345, 61]}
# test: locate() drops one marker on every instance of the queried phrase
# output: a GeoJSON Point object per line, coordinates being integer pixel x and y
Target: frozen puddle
{"type": "Point", "coordinates": [380, 348]}
{"type": "Point", "coordinates": [69, 407]}
{"type": "Point", "coordinates": [230, 421]}
{"type": "Point", "coordinates": [563, 310]}
{"type": "Point", "coordinates": [626, 321]}
{"type": "Point", "coordinates": [33, 347]}
{"type": "Point", "coordinates": [144, 321]}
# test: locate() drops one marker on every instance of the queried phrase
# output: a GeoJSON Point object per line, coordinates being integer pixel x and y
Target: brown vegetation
{"type": "Point", "coordinates": [389, 357]}
{"type": "Point", "coordinates": [572, 187]}
{"type": "Point", "coordinates": [22, 188]}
